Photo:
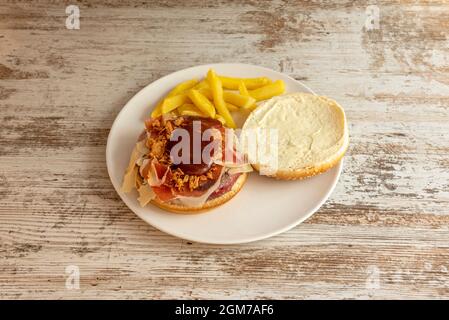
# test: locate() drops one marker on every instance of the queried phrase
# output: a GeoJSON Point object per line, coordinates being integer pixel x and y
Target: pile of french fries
{"type": "Point", "coordinates": [217, 96]}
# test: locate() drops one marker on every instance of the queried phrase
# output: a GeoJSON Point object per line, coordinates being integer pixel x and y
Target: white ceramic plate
{"type": "Point", "coordinates": [263, 208]}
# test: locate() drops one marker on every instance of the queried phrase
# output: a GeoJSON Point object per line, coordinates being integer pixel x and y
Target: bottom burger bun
{"type": "Point", "coordinates": [209, 204]}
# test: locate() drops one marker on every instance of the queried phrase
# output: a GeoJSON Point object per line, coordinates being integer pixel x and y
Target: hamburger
{"type": "Point", "coordinates": [185, 164]}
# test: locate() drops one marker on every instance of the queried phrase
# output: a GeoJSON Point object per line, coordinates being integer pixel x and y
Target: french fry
{"type": "Point", "coordinates": [207, 93]}
{"type": "Point", "coordinates": [189, 109]}
{"type": "Point", "coordinates": [268, 91]}
{"type": "Point", "coordinates": [157, 111]}
{"type": "Point", "coordinates": [251, 107]}
{"type": "Point", "coordinates": [201, 102]}
{"type": "Point", "coordinates": [171, 103]}
{"type": "Point", "coordinates": [203, 84]}
{"type": "Point", "coordinates": [242, 89]}
{"type": "Point", "coordinates": [188, 106]}
{"type": "Point", "coordinates": [238, 100]}
{"type": "Point", "coordinates": [217, 93]}
{"type": "Point", "coordinates": [250, 83]}
{"type": "Point", "coordinates": [183, 86]}
{"type": "Point", "coordinates": [235, 99]}
{"type": "Point", "coordinates": [231, 107]}
{"type": "Point", "coordinates": [244, 92]}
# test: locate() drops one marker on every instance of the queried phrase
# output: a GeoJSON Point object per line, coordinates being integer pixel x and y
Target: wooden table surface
{"type": "Point", "coordinates": [383, 233]}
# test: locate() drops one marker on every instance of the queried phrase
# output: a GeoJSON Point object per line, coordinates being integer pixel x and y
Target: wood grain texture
{"type": "Point", "coordinates": [384, 232]}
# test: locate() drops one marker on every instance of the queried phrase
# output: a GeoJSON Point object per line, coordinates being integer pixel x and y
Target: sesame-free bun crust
{"type": "Point", "coordinates": [319, 121]}
{"type": "Point", "coordinates": [306, 172]}
{"type": "Point", "coordinates": [179, 208]}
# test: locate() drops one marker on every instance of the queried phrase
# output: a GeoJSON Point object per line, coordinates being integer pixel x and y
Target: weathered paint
{"type": "Point", "coordinates": [60, 91]}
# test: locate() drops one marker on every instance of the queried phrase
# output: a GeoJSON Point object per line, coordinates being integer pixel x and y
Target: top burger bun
{"type": "Point", "coordinates": [312, 134]}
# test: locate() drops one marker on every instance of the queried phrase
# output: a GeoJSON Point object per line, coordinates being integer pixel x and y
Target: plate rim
{"type": "Point", "coordinates": [193, 238]}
